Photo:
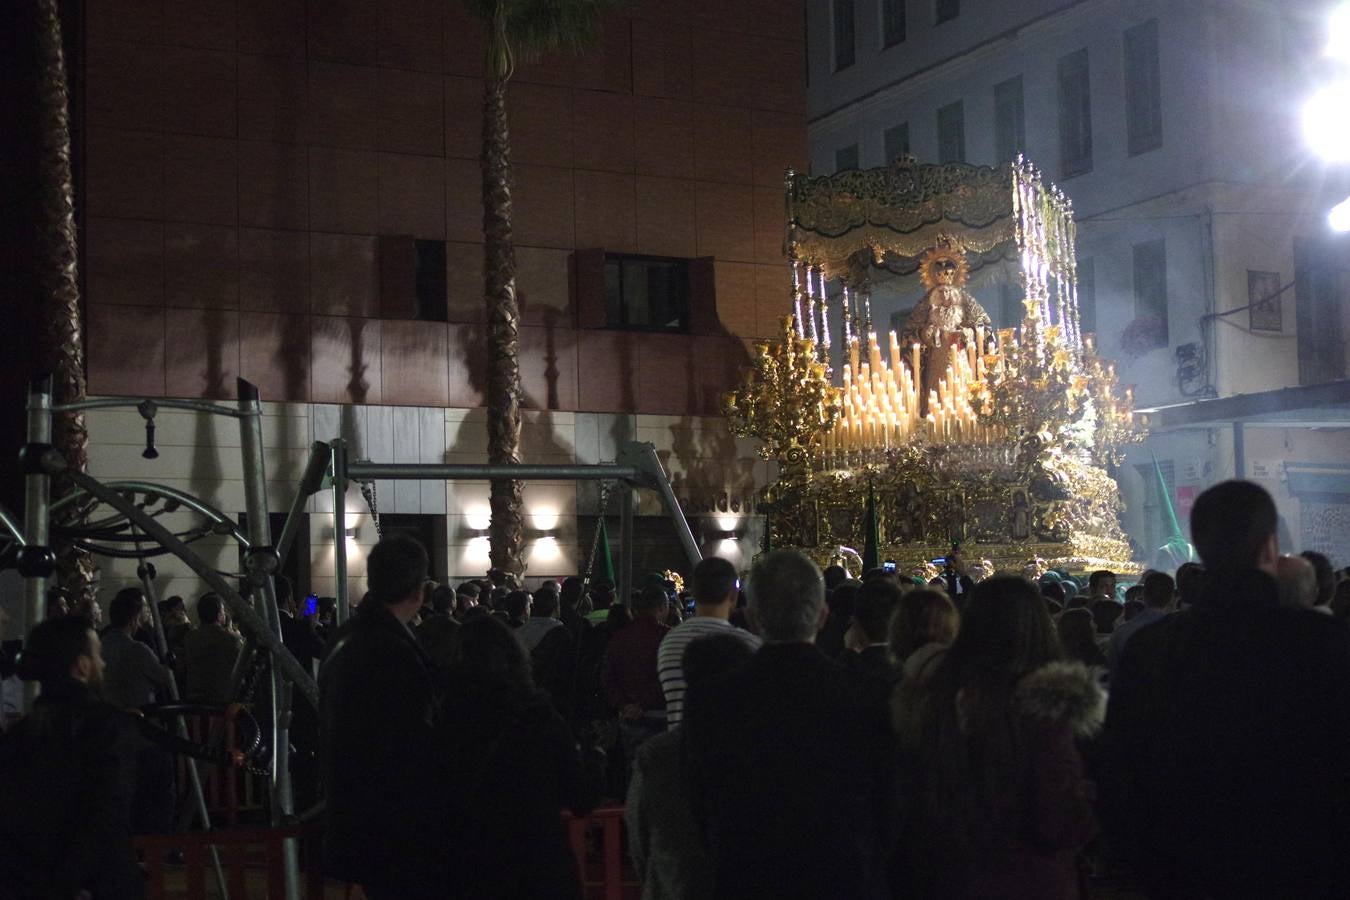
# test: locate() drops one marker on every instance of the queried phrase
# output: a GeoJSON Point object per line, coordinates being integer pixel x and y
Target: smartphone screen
{"type": "Point", "coordinates": [311, 604]}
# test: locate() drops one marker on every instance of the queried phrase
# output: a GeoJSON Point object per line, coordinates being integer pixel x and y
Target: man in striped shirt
{"type": "Point", "coordinates": [716, 588]}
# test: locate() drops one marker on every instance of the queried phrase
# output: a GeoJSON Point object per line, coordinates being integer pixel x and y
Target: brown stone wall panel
{"type": "Point", "coordinates": [124, 260]}
{"type": "Point", "coordinates": [722, 363]}
{"type": "Point", "coordinates": [664, 137]}
{"type": "Point", "coordinates": [608, 66]}
{"type": "Point", "coordinates": [667, 376]}
{"type": "Point", "coordinates": [606, 212]}
{"type": "Point", "coordinates": [722, 149]}
{"type": "Point", "coordinates": [722, 68]}
{"type": "Point", "coordinates": [661, 10]}
{"type": "Point", "coordinates": [343, 106]}
{"type": "Point", "coordinates": [273, 185]}
{"type": "Point", "coordinates": [736, 298]}
{"type": "Point", "coordinates": [604, 130]}
{"type": "Point", "coordinates": [201, 353]}
{"type": "Point", "coordinates": [464, 282]}
{"type": "Point", "coordinates": [467, 358]}
{"type": "Point", "coordinates": [125, 85]}
{"type": "Point", "coordinates": [345, 360]}
{"type": "Point", "coordinates": [343, 190]}
{"type": "Point", "coordinates": [124, 20]}
{"type": "Point", "coordinates": [548, 367]}
{"type": "Point", "coordinates": [464, 117]}
{"type": "Point", "coordinates": [776, 18]}
{"type": "Point", "coordinates": [343, 30]}
{"type": "Point", "coordinates": [544, 207]}
{"type": "Point", "coordinates": [343, 275]}
{"type": "Point", "coordinates": [126, 350]}
{"type": "Point", "coordinates": [201, 266]}
{"type": "Point", "coordinates": [412, 34]}
{"type": "Point", "coordinates": [200, 179]}
{"type": "Point", "coordinates": [411, 109]}
{"type": "Point", "coordinates": [770, 225]}
{"type": "Point", "coordinates": [125, 173]}
{"type": "Point", "coordinates": [540, 122]}
{"type": "Point", "coordinates": [773, 298]}
{"type": "Point", "coordinates": [775, 76]}
{"type": "Point", "coordinates": [726, 221]}
{"type": "Point", "coordinates": [607, 371]}
{"type": "Point", "coordinates": [199, 91]}
{"type": "Point", "coordinates": [274, 355]}
{"type": "Point", "coordinates": [464, 46]}
{"type": "Point", "coordinates": [555, 68]}
{"type": "Point", "coordinates": [274, 270]}
{"type": "Point", "coordinates": [201, 23]}
{"type": "Point", "coordinates": [412, 195]}
{"type": "Point", "coordinates": [586, 283]}
{"type": "Point", "coordinates": [662, 59]}
{"type": "Point", "coordinates": [413, 363]}
{"type": "Point", "coordinates": [464, 201]}
{"type": "Point", "coordinates": [272, 26]}
{"type": "Point", "coordinates": [779, 145]}
{"type": "Point", "coordinates": [666, 224]}
{"type": "Point", "coordinates": [542, 287]}
{"type": "Point", "coordinates": [273, 98]}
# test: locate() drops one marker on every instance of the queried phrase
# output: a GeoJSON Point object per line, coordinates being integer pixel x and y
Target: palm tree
{"type": "Point", "coordinates": [515, 30]}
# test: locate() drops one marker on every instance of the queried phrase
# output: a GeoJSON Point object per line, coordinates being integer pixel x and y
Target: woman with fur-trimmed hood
{"type": "Point", "coordinates": [993, 798]}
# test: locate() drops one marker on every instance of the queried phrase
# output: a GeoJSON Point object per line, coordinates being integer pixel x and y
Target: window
{"type": "Point", "coordinates": [412, 279]}
{"type": "Point", "coordinates": [1143, 89]}
{"type": "Point", "coordinates": [1153, 516]}
{"type": "Point", "coordinates": [1087, 296]}
{"type": "Point", "coordinates": [1318, 297]}
{"type": "Point", "coordinates": [1010, 129]}
{"type": "Point", "coordinates": [428, 530]}
{"type": "Point", "coordinates": [1264, 310]}
{"type": "Point", "coordinates": [843, 34]}
{"type": "Point", "coordinates": [946, 10]}
{"type": "Point", "coordinates": [846, 158]}
{"type": "Point", "coordinates": [646, 293]}
{"type": "Point", "coordinates": [1150, 287]}
{"type": "Point", "coordinates": [897, 142]}
{"type": "Point", "coordinates": [1075, 115]}
{"type": "Point", "coordinates": [892, 22]}
{"type": "Point", "coordinates": [951, 128]}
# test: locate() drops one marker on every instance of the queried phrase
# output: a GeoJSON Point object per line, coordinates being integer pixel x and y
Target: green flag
{"type": "Point", "coordinates": [871, 555]}
{"type": "Point", "coordinates": [1177, 549]}
{"type": "Point", "coordinates": [603, 567]}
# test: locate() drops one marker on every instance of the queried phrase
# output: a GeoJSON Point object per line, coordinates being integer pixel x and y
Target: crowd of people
{"type": "Point", "coordinates": [805, 734]}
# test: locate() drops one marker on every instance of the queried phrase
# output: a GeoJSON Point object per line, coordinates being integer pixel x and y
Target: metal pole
{"type": "Point", "coordinates": [626, 537]}
{"type": "Point", "coordinates": [1239, 450]}
{"type": "Point", "coordinates": [474, 472]}
{"type": "Point", "coordinates": [37, 492]}
{"type": "Point", "coordinates": [260, 565]}
{"type": "Point", "coordinates": [643, 456]}
{"type": "Point", "coordinates": [339, 473]}
{"type": "Point", "coordinates": [319, 456]}
{"type": "Point", "coordinates": [180, 726]}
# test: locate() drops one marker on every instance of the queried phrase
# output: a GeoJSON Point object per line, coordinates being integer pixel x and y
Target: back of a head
{"type": "Point", "coordinates": [1297, 582]}
{"type": "Point", "coordinates": [834, 576]}
{"type": "Point", "coordinates": [570, 593]}
{"type": "Point", "coordinates": [442, 599]}
{"type": "Point", "coordinates": [487, 654]}
{"type": "Point", "coordinates": [787, 595]}
{"type": "Point", "coordinates": [844, 598]}
{"type": "Point", "coordinates": [1104, 614]}
{"type": "Point", "coordinates": [1326, 575]}
{"type": "Point", "coordinates": [285, 591]}
{"type": "Point", "coordinates": [208, 609]}
{"type": "Point", "coordinates": [923, 616]}
{"type": "Point", "coordinates": [876, 601]}
{"type": "Point", "coordinates": [1190, 581]}
{"type": "Point", "coordinates": [1159, 589]}
{"type": "Point", "coordinates": [498, 577]}
{"type": "Point", "coordinates": [545, 604]}
{"type": "Point", "coordinates": [396, 569]}
{"type": "Point", "coordinates": [516, 604]}
{"type": "Point", "coordinates": [710, 657]}
{"type": "Point", "coordinates": [651, 600]}
{"type": "Point", "coordinates": [1132, 609]}
{"type": "Point", "coordinates": [1005, 629]}
{"type": "Point", "coordinates": [53, 648]}
{"type": "Point", "coordinates": [469, 589]}
{"type": "Point", "coordinates": [1232, 524]}
{"type": "Point", "coordinates": [714, 581]}
{"type": "Point", "coordinates": [125, 607]}
{"type": "Point", "coordinates": [1053, 590]}
{"type": "Point", "coordinates": [1077, 631]}
{"type": "Point", "coordinates": [1340, 600]}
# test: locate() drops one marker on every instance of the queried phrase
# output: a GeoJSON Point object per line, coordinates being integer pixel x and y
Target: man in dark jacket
{"type": "Point", "coordinates": [377, 717]}
{"type": "Point", "coordinates": [1227, 756]}
{"type": "Point", "coordinates": [788, 750]}
{"type": "Point", "coordinates": [69, 778]}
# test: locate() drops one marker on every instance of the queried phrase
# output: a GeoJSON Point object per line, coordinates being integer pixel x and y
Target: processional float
{"type": "Point", "coordinates": [1000, 439]}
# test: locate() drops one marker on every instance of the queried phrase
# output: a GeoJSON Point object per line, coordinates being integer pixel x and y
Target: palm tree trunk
{"type": "Point", "coordinates": [61, 338]}
{"type": "Point", "coordinates": [506, 532]}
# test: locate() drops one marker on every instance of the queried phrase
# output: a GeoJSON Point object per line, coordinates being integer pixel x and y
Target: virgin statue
{"type": "Point", "coordinates": [946, 315]}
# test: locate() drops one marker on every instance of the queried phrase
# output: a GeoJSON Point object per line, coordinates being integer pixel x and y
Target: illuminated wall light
{"type": "Point", "coordinates": [1325, 123]}
{"type": "Point", "coordinates": [1338, 29]}
{"type": "Point", "coordinates": [478, 518]}
{"type": "Point", "coordinates": [1339, 217]}
{"type": "Point", "coordinates": [545, 519]}
{"type": "Point", "coordinates": [545, 550]}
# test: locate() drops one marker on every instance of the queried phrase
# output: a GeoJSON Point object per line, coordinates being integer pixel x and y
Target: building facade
{"type": "Point", "coordinates": [1206, 268]}
{"type": "Point", "coordinates": [290, 193]}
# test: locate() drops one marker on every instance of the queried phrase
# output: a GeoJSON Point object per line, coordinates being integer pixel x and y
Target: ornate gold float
{"type": "Point", "coordinates": [1002, 440]}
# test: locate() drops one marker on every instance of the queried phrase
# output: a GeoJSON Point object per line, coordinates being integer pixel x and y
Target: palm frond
{"type": "Point", "coordinates": [535, 27]}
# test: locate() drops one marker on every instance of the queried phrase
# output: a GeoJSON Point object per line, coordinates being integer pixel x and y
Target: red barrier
{"type": "Point", "coordinates": [598, 844]}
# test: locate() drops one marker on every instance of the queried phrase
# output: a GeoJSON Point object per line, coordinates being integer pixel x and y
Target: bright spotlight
{"type": "Point", "coordinates": [1325, 123]}
{"type": "Point", "coordinates": [1338, 29]}
{"type": "Point", "coordinates": [1339, 217]}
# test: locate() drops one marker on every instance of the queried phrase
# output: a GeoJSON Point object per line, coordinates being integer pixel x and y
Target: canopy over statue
{"type": "Point", "coordinates": [998, 438]}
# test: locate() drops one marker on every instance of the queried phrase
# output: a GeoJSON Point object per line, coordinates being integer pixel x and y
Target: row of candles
{"type": "Point", "coordinates": [881, 407]}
